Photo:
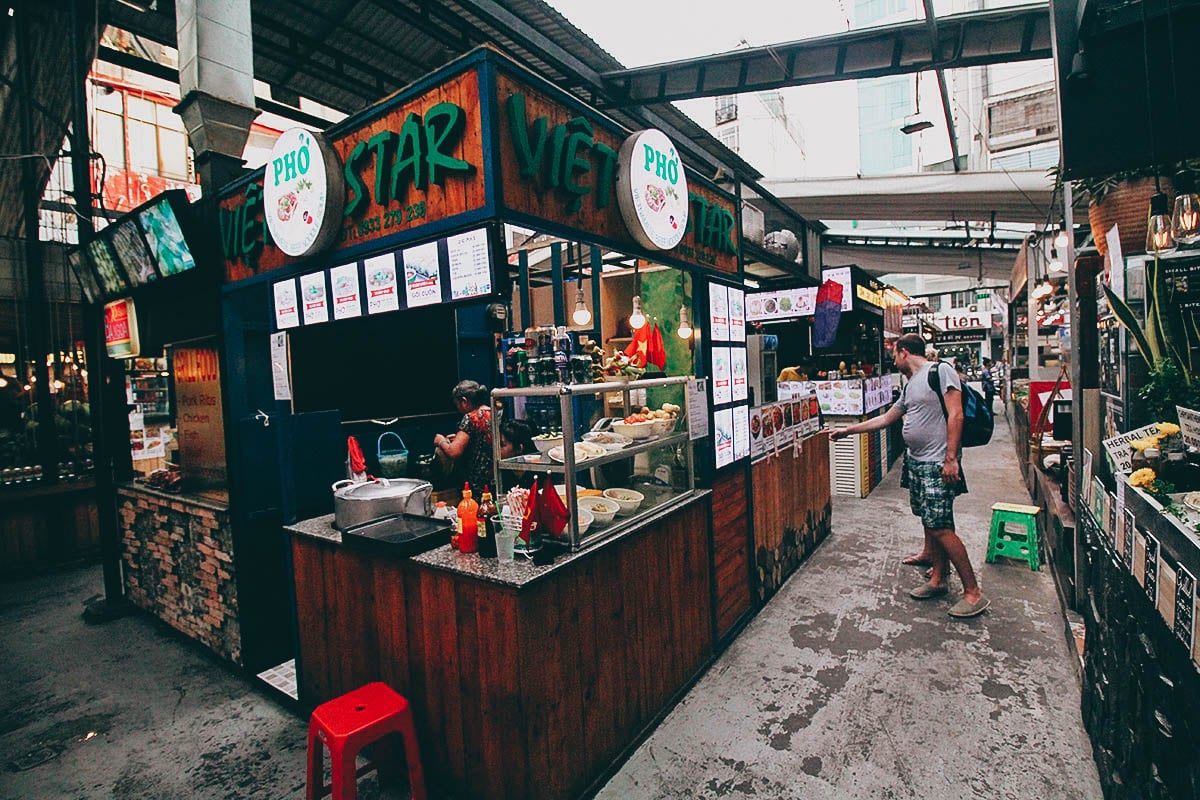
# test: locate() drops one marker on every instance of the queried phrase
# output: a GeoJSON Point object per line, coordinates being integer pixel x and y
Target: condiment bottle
{"type": "Point", "coordinates": [468, 535]}
{"type": "Point", "coordinates": [489, 521]}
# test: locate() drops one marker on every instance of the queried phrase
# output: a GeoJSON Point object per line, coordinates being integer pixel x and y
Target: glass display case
{"type": "Point", "coordinates": [618, 472]}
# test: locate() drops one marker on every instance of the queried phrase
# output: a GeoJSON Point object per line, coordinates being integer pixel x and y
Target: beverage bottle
{"type": "Point", "coordinates": [489, 521]}
{"type": "Point", "coordinates": [468, 535]}
{"type": "Point", "coordinates": [562, 354]}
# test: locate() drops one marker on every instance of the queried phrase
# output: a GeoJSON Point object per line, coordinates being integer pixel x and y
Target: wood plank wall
{"type": "Point", "coordinates": [731, 534]}
{"type": "Point", "coordinates": [792, 511]}
{"type": "Point", "coordinates": [42, 527]}
{"type": "Point", "coordinates": [516, 694]}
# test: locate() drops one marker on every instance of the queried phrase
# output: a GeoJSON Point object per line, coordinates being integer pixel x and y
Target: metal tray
{"type": "Point", "coordinates": [399, 534]}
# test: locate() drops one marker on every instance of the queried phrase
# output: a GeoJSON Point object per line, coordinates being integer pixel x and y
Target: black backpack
{"type": "Point", "coordinates": [977, 417]}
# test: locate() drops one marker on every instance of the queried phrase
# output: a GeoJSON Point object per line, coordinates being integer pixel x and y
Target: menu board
{"type": "Point", "coordinates": [783, 304]}
{"type": "Point", "coordinates": [737, 364]}
{"type": "Point", "coordinates": [756, 437]}
{"type": "Point", "coordinates": [111, 277]}
{"type": "Point", "coordinates": [718, 312]}
{"type": "Point", "coordinates": [723, 440]}
{"type": "Point", "coordinates": [422, 275]}
{"type": "Point", "coordinates": [287, 309]}
{"type": "Point", "coordinates": [165, 238]}
{"type": "Point", "coordinates": [201, 431]}
{"type": "Point", "coordinates": [83, 273]}
{"type": "Point", "coordinates": [315, 298]}
{"type": "Point", "coordinates": [1185, 605]}
{"type": "Point", "coordinates": [133, 253]}
{"type": "Point", "coordinates": [347, 299]}
{"type": "Point", "coordinates": [383, 292]}
{"type": "Point", "coordinates": [722, 376]}
{"type": "Point", "coordinates": [470, 265]}
{"type": "Point", "coordinates": [741, 432]}
{"type": "Point", "coordinates": [737, 315]}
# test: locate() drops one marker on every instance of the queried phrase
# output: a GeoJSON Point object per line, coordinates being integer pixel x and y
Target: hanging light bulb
{"type": "Point", "coordinates": [637, 319]}
{"type": "Point", "coordinates": [1185, 221]}
{"type": "Point", "coordinates": [581, 316]}
{"type": "Point", "coordinates": [685, 325]}
{"type": "Point", "coordinates": [1060, 240]}
{"type": "Point", "coordinates": [1042, 289]}
{"type": "Point", "coordinates": [1056, 264]}
{"type": "Point", "coordinates": [1158, 230]}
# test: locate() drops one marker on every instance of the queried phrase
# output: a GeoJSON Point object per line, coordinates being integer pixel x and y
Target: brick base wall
{"type": "Point", "coordinates": [178, 563]}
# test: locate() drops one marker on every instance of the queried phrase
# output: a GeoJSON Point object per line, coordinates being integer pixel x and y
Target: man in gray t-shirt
{"type": "Point", "coordinates": [932, 471]}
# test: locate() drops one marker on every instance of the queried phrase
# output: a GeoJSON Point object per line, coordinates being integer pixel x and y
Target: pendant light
{"type": "Point", "coordinates": [1185, 221]}
{"type": "Point", "coordinates": [1158, 229]}
{"type": "Point", "coordinates": [637, 319]}
{"type": "Point", "coordinates": [685, 325]}
{"type": "Point", "coordinates": [581, 316]}
{"type": "Point", "coordinates": [1060, 240]}
{"type": "Point", "coordinates": [1056, 264]}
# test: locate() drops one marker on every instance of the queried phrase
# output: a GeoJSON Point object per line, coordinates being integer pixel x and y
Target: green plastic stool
{"type": "Point", "coordinates": [1004, 542]}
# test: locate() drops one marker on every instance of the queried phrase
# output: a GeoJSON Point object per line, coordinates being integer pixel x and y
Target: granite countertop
{"type": "Point", "coordinates": [516, 574]}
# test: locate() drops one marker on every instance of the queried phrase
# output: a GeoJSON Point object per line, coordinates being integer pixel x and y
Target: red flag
{"type": "Point", "coordinates": [656, 351]}
{"type": "Point", "coordinates": [552, 513]}
{"type": "Point", "coordinates": [639, 347]}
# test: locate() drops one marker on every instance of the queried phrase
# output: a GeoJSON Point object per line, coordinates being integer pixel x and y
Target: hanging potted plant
{"type": "Point", "coordinates": [1123, 199]}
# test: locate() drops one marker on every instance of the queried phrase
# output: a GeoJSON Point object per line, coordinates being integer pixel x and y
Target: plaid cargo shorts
{"type": "Point", "coordinates": [929, 497]}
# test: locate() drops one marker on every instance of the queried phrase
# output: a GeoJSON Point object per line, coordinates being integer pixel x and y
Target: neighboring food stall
{"type": "Point", "coordinates": [470, 214]}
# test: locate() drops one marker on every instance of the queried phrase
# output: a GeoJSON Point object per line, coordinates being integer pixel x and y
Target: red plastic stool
{"type": "Point", "coordinates": [349, 723]}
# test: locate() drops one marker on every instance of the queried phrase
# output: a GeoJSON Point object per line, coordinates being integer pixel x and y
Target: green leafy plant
{"type": "Point", "coordinates": [1166, 342]}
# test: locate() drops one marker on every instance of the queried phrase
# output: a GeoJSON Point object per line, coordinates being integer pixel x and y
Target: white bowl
{"type": "Point", "coordinates": [627, 499]}
{"type": "Point", "coordinates": [543, 445]}
{"type": "Point", "coordinates": [594, 504]}
{"type": "Point", "coordinates": [634, 430]}
{"type": "Point", "coordinates": [662, 427]}
{"type": "Point", "coordinates": [585, 519]}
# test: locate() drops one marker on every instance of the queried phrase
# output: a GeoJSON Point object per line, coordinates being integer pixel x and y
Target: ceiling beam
{"type": "Point", "coordinates": [935, 46]}
{"type": "Point", "coordinates": [978, 38]}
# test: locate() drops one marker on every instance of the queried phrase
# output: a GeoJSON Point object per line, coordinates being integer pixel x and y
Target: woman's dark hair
{"type": "Point", "coordinates": [472, 391]}
{"type": "Point", "coordinates": [519, 434]}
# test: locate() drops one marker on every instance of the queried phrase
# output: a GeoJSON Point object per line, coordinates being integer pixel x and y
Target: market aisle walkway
{"type": "Point", "coordinates": [845, 688]}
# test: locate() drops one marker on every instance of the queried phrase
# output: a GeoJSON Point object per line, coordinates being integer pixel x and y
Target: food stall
{"type": "Point", "coordinates": [162, 416]}
{"type": "Point", "coordinates": [470, 212]}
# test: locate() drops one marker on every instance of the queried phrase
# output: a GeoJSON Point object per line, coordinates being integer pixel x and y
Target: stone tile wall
{"type": "Point", "coordinates": [178, 564]}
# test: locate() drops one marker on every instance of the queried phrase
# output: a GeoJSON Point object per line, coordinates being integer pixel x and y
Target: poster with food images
{"type": "Point", "coordinates": [723, 440]}
{"type": "Point", "coordinates": [314, 298]}
{"type": "Point", "coordinates": [737, 315]}
{"type": "Point", "coordinates": [756, 438]}
{"type": "Point", "coordinates": [422, 275]}
{"type": "Point", "coordinates": [347, 299]}
{"type": "Point", "coordinates": [741, 432]}
{"type": "Point", "coordinates": [470, 265]}
{"type": "Point", "coordinates": [722, 376]}
{"type": "Point", "coordinates": [382, 286]}
{"type": "Point", "coordinates": [737, 366]}
{"type": "Point", "coordinates": [287, 306]}
{"type": "Point", "coordinates": [768, 428]}
{"type": "Point", "coordinates": [718, 312]}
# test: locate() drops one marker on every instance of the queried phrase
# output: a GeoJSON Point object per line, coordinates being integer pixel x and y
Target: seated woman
{"type": "Point", "coordinates": [516, 439]}
{"type": "Point", "coordinates": [470, 447]}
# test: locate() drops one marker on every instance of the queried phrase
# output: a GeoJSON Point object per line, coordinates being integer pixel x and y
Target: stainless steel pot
{"type": "Point", "coordinates": [356, 503]}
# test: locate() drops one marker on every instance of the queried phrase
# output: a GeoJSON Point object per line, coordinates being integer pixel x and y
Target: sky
{"type": "Point", "coordinates": [642, 32]}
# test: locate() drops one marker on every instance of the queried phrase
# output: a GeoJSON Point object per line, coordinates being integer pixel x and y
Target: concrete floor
{"type": "Point", "coordinates": [842, 687]}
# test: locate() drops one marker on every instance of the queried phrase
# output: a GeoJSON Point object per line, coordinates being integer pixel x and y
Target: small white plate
{"type": "Point", "coordinates": [556, 454]}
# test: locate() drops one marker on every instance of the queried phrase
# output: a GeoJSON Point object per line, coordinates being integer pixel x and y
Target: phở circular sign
{"type": "Point", "coordinates": [652, 190]}
{"type": "Point", "coordinates": [303, 192]}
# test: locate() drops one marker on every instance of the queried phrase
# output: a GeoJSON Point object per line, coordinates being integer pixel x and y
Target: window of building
{"type": "Point", "coordinates": [140, 134]}
{"type": "Point", "coordinates": [730, 137]}
{"type": "Point", "coordinates": [727, 108]}
{"type": "Point", "coordinates": [934, 302]}
{"type": "Point", "coordinates": [867, 12]}
{"type": "Point", "coordinates": [882, 106]}
{"type": "Point", "coordinates": [962, 299]}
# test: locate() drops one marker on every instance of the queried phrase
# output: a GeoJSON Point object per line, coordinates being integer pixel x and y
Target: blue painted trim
{"type": "Point", "coordinates": [523, 282]}
{"type": "Point", "coordinates": [556, 283]}
{"type": "Point", "coordinates": [493, 177]}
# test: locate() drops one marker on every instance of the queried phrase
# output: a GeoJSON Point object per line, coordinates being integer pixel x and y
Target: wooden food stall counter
{"type": "Point", "coordinates": [526, 681]}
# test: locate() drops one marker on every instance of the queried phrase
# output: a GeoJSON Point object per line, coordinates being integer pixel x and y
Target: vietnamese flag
{"type": "Point", "coordinates": [638, 349]}
{"type": "Point", "coordinates": [656, 351]}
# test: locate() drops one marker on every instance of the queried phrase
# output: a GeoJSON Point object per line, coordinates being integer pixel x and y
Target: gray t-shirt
{"type": "Point", "coordinates": [924, 422]}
